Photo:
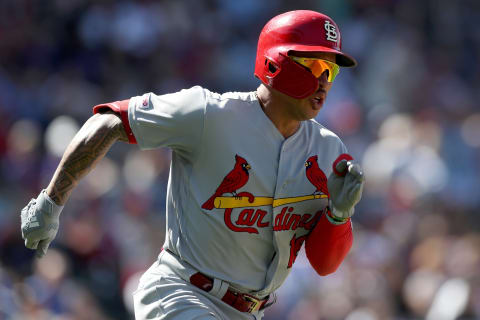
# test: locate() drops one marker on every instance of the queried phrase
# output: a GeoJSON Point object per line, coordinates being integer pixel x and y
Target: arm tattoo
{"type": "Point", "coordinates": [87, 148]}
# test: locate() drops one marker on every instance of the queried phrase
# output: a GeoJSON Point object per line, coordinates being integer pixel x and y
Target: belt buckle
{"type": "Point", "coordinates": [255, 303]}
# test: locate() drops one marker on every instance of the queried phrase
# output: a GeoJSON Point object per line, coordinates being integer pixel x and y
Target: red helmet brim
{"type": "Point", "coordinates": [342, 59]}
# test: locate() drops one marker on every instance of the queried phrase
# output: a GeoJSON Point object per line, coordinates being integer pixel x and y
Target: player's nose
{"type": "Point", "coordinates": [323, 79]}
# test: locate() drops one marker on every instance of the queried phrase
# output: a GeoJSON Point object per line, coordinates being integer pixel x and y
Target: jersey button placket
{"type": "Point", "coordinates": [281, 183]}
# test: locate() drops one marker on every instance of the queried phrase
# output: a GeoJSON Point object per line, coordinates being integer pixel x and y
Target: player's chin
{"type": "Point", "coordinates": [310, 111]}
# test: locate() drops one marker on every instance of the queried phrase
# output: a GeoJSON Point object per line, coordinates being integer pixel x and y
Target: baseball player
{"type": "Point", "coordinates": [253, 177]}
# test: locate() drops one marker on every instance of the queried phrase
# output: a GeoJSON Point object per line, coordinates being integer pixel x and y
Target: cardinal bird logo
{"type": "Point", "coordinates": [316, 176]}
{"type": "Point", "coordinates": [233, 181]}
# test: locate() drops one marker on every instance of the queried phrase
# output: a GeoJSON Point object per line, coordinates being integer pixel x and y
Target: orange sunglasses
{"type": "Point", "coordinates": [318, 66]}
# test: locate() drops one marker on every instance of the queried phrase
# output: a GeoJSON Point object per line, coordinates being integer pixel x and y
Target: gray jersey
{"type": "Point", "coordinates": [241, 198]}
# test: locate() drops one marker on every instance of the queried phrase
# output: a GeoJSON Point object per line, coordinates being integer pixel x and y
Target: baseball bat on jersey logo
{"type": "Point", "coordinates": [250, 219]}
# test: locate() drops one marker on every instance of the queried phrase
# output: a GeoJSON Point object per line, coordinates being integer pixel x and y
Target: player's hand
{"type": "Point", "coordinates": [40, 219]}
{"type": "Point", "coordinates": [345, 186]}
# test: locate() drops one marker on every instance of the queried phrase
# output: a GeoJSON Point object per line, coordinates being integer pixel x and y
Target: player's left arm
{"type": "Point", "coordinates": [328, 245]}
{"type": "Point", "coordinates": [331, 239]}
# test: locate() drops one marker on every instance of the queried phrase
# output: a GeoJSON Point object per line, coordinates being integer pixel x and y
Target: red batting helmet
{"type": "Point", "coordinates": [301, 31]}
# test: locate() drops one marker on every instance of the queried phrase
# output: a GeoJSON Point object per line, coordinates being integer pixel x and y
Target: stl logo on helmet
{"type": "Point", "coordinates": [331, 33]}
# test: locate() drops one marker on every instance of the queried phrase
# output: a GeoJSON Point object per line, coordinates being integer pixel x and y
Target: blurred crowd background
{"type": "Point", "coordinates": [409, 112]}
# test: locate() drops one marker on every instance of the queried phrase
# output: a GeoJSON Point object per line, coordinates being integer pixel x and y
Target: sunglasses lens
{"type": "Point", "coordinates": [332, 68]}
{"type": "Point", "coordinates": [318, 67]}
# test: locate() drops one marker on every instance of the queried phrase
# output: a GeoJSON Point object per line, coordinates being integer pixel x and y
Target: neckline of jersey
{"type": "Point", "coordinates": [266, 119]}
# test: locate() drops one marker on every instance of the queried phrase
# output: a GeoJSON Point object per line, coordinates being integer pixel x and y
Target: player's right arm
{"type": "Point", "coordinates": [83, 153]}
{"type": "Point", "coordinates": [40, 218]}
{"type": "Point", "coordinates": [172, 120]}
{"type": "Point", "coordinates": [331, 239]}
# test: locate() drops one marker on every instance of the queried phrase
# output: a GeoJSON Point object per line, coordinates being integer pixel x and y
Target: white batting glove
{"type": "Point", "coordinates": [40, 219]}
{"type": "Point", "coordinates": [345, 185]}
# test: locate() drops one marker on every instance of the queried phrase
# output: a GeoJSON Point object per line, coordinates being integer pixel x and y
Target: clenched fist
{"type": "Point", "coordinates": [345, 185]}
{"type": "Point", "coordinates": [40, 219]}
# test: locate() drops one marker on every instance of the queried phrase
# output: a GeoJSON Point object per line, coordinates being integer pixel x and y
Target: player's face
{"type": "Point", "coordinates": [308, 108]}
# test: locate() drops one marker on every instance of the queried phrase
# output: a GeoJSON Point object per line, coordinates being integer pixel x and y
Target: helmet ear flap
{"type": "Point", "coordinates": [271, 68]}
{"type": "Point", "coordinates": [279, 74]}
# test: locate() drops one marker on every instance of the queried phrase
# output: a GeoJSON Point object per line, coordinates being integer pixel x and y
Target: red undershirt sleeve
{"type": "Point", "coordinates": [328, 244]}
{"type": "Point", "coordinates": [121, 108]}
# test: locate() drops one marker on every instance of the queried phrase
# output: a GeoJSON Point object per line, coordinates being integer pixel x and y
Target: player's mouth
{"type": "Point", "coordinates": [319, 99]}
